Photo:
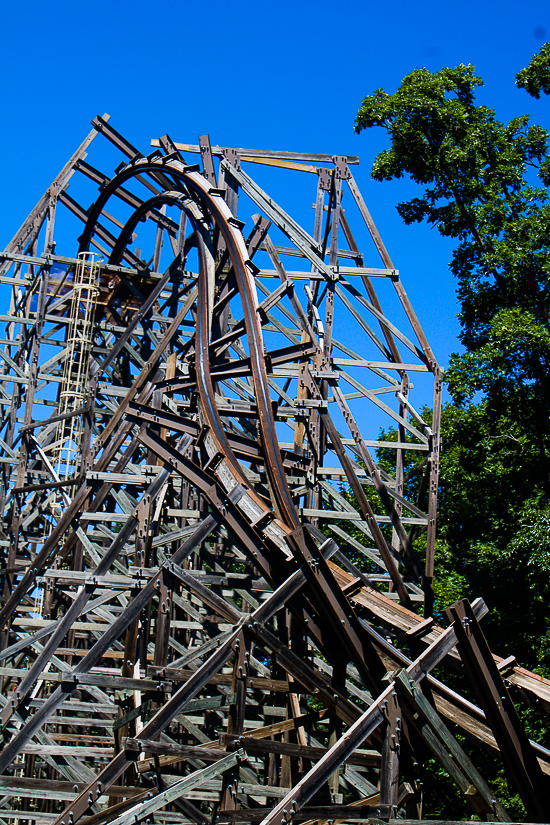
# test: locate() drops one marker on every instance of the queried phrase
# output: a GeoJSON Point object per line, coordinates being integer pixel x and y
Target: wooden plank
{"type": "Point", "coordinates": [256, 745]}
{"type": "Point", "coordinates": [319, 813]}
{"type": "Point", "coordinates": [218, 151]}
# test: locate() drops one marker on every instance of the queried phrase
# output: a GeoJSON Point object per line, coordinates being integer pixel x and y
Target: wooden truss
{"type": "Point", "coordinates": [210, 586]}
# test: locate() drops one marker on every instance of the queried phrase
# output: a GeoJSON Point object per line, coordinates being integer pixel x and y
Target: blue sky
{"type": "Point", "coordinates": [258, 75]}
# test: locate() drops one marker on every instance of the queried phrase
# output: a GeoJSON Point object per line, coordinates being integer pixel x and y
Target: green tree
{"type": "Point", "coordinates": [484, 183]}
{"type": "Point", "coordinates": [478, 188]}
{"type": "Point", "coordinates": [535, 78]}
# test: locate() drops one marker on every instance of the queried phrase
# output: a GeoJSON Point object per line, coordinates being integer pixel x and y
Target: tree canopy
{"type": "Point", "coordinates": [484, 183]}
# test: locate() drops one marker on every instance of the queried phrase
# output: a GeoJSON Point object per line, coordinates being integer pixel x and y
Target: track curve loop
{"type": "Point", "coordinates": [206, 208]}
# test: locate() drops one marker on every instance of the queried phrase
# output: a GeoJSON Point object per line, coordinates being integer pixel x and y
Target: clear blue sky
{"type": "Point", "coordinates": [261, 75]}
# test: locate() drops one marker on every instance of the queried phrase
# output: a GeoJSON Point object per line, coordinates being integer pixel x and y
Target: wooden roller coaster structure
{"type": "Point", "coordinates": [217, 597]}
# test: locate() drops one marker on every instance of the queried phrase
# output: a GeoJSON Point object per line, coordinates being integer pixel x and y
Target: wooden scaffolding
{"type": "Point", "coordinates": [217, 598]}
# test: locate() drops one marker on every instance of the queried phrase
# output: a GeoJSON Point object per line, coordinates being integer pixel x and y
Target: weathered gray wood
{"type": "Point", "coordinates": [259, 153]}
{"type": "Point", "coordinates": [451, 755]}
{"type": "Point", "coordinates": [178, 789]}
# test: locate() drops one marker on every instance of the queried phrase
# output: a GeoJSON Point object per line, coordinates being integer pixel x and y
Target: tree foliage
{"type": "Point", "coordinates": [484, 183]}
{"type": "Point", "coordinates": [535, 78]}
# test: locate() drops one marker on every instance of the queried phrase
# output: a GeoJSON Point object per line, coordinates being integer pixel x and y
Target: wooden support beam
{"type": "Point", "coordinates": [522, 768]}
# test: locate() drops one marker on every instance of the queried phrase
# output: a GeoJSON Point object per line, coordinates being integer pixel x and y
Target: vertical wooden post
{"type": "Point", "coordinates": [389, 771]}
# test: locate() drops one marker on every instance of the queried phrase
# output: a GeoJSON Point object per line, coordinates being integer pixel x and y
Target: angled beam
{"type": "Point", "coordinates": [522, 768]}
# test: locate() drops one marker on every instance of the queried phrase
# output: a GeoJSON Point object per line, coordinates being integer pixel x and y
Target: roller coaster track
{"type": "Point", "coordinates": [190, 570]}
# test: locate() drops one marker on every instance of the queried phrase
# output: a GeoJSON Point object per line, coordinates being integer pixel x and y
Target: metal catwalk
{"type": "Point", "coordinates": [217, 598]}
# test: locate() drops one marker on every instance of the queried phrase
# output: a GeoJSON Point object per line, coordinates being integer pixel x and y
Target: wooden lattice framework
{"type": "Point", "coordinates": [211, 590]}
